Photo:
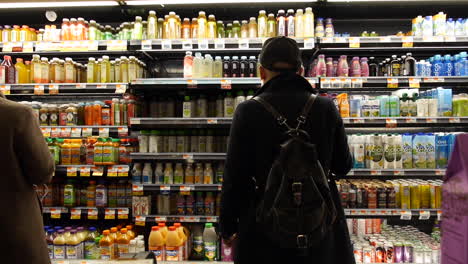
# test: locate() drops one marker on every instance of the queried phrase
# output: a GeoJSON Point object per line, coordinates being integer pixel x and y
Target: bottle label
{"type": "Point", "coordinates": [187, 110]}
{"type": "Point", "coordinates": [72, 252]}
{"type": "Point", "coordinates": [59, 251]}
{"type": "Point", "coordinates": [198, 245]}
{"type": "Point", "coordinates": [89, 247]}
{"type": "Point", "coordinates": [210, 251]}
{"type": "Point", "coordinates": [158, 252]}
{"type": "Point", "coordinates": [106, 252]}
{"type": "Point", "coordinates": [107, 154]}
{"type": "Point", "coordinates": [37, 72]}
{"type": "Point", "coordinates": [123, 248]}
{"type": "Point", "coordinates": [50, 248]}
{"type": "Point", "coordinates": [172, 254]}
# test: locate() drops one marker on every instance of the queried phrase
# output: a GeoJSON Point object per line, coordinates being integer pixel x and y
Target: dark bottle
{"type": "Point", "coordinates": [235, 67]}
{"type": "Point", "coordinates": [402, 65]}
{"type": "Point", "coordinates": [395, 66]}
{"type": "Point", "coordinates": [227, 67]}
{"type": "Point", "coordinates": [373, 67]}
{"type": "Point", "coordinates": [252, 66]}
{"type": "Point", "coordinates": [410, 65]}
{"type": "Point", "coordinates": [244, 67]}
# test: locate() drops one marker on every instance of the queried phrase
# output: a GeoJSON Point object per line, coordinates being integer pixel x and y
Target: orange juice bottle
{"type": "Point", "coordinates": [194, 28]}
{"type": "Point", "coordinates": [15, 33]}
{"type": "Point", "coordinates": [107, 151]}
{"type": "Point", "coordinates": [113, 235]}
{"type": "Point", "coordinates": [156, 243]}
{"type": "Point", "coordinates": [24, 33]}
{"type": "Point", "coordinates": [173, 245]}
{"type": "Point", "coordinates": [28, 69]}
{"type": "Point", "coordinates": [106, 246]}
{"type": "Point", "coordinates": [344, 104]}
{"type": "Point", "coordinates": [97, 111]}
{"type": "Point", "coordinates": [66, 153]}
{"type": "Point", "coordinates": [44, 70]}
{"type": "Point", "coordinates": [130, 232]}
{"type": "Point", "coordinates": [123, 241]}
{"type": "Point", "coordinates": [75, 147]}
{"type": "Point", "coordinates": [21, 71]}
{"type": "Point", "coordinates": [163, 229]}
{"type": "Point", "coordinates": [183, 236]}
{"type": "Point", "coordinates": [98, 152]}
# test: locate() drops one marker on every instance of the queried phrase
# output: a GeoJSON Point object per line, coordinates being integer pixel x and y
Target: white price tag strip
{"type": "Point", "coordinates": [76, 132]}
{"type": "Point", "coordinates": [203, 44]}
{"type": "Point", "coordinates": [354, 42]}
{"type": "Point", "coordinates": [104, 132]}
{"type": "Point", "coordinates": [160, 219]}
{"type": "Point", "coordinates": [309, 43]}
{"type": "Point", "coordinates": [219, 43]}
{"type": "Point", "coordinates": [375, 172]}
{"type": "Point", "coordinates": [414, 82]}
{"type": "Point", "coordinates": [146, 44]}
{"type": "Point", "coordinates": [187, 44]}
{"type": "Point", "coordinates": [186, 188]}
{"type": "Point", "coordinates": [75, 213]}
{"type": "Point", "coordinates": [226, 84]}
{"type": "Point", "coordinates": [243, 43]}
{"type": "Point", "coordinates": [166, 44]}
{"type": "Point", "coordinates": [424, 215]}
{"type": "Point", "coordinates": [405, 215]}
{"type": "Point", "coordinates": [87, 132]}
{"type": "Point", "coordinates": [85, 171]}
{"type": "Point", "coordinates": [120, 88]}
{"type": "Point", "coordinates": [398, 172]}
{"type": "Point", "coordinates": [93, 214]}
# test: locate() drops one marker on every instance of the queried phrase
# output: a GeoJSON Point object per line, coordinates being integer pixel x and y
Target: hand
{"type": "Point", "coordinates": [230, 240]}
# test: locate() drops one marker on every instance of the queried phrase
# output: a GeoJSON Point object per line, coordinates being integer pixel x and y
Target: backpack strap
{"type": "Point", "coordinates": [305, 112]}
{"type": "Point", "coordinates": [281, 119]}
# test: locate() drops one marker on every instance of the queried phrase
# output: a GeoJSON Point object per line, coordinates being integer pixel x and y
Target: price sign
{"type": "Point", "coordinates": [219, 43]}
{"type": "Point", "coordinates": [192, 83]}
{"type": "Point", "coordinates": [5, 89]}
{"type": "Point", "coordinates": [122, 213]}
{"type": "Point", "coordinates": [431, 120]}
{"type": "Point", "coordinates": [411, 120]}
{"type": "Point", "coordinates": [447, 39]}
{"type": "Point", "coordinates": [203, 44]}
{"type": "Point", "coordinates": [166, 44]}
{"type": "Point", "coordinates": [356, 83]}
{"type": "Point", "coordinates": [309, 43]}
{"type": "Point", "coordinates": [385, 39]}
{"type": "Point", "coordinates": [392, 83]}
{"type": "Point", "coordinates": [354, 42]}
{"type": "Point", "coordinates": [390, 123]}
{"type": "Point", "coordinates": [375, 172]}
{"type": "Point", "coordinates": [65, 132]}
{"type": "Point", "coordinates": [243, 43]}
{"type": "Point", "coordinates": [405, 215]}
{"type": "Point", "coordinates": [186, 188]}
{"type": "Point", "coordinates": [439, 172]}
{"type": "Point", "coordinates": [112, 171]}
{"type": "Point", "coordinates": [187, 156]}
{"type": "Point", "coordinates": [226, 84]}
{"type": "Point", "coordinates": [398, 172]}
{"type": "Point", "coordinates": [340, 40]}
{"type": "Point", "coordinates": [187, 44]}
{"type": "Point", "coordinates": [85, 171]}
{"type": "Point", "coordinates": [407, 42]}
{"type": "Point", "coordinates": [93, 214]}
{"type": "Point", "coordinates": [122, 131]}
{"type": "Point", "coordinates": [326, 40]}
{"type": "Point", "coordinates": [55, 213]}
{"type": "Point", "coordinates": [189, 219]}
{"type": "Point", "coordinates": [45, 131]}
{"type": "Point", "coordinates": [454, 120]}
{"type": "Point", "coordinates": [146, 44]}
{"type": "Point", "coordinates": [212, 121]}
{"type": "Point", "coordinates": [75, 132]}
{"type": "Point", "coordinates": [97, 171]}
{"type": "Point", "coordinates": [28, 46]}
{"type": "Point", "coordinates": [80, 85]}
{"type": "Point", "coordinates": [160, 219]}
{"type": "Point", "coordinates": [325, 83]}
{"type": "Point", "coordinates": [120, 88]}
{"type": "Point", "coordinates": [117, 45]}
{"type": "Point", "coordinates": [140, 220]}
{"type": "Point", "coordinates": [414, 82]}
{"type": "Point", "coordinates": [87, 132]}
{"type": "Point", "coordinates": [165, 188]}
{"type": "Point", "coordinates": [220, 187]}
{"type": "Point", "coordinates": [93, 45]}
{"type": "Point", "coordinates": [384, 212]}
{"type": "Point", "coordinates": [123, 170]}
{"type": "Point", "coordinates": [55, 132]}
{"type": "Point", "coordinates": [424, 215]}
{"type": "Point", "coordinates": [104, 132]}
{"type": "Point", "coordinates": [75, 213]}
{"type": "Point", "coordinates": [137, 189]}
{"type": "Point", "coordinates": [109, 214]}
{"type": "Point", "coordinates": [358, 120]}
{"type": "Point", "coordinates": [39, 89]}
{"type": "Point", "coordinates": [72, 171]}
{"type": "Point", "coordinates": [439, 215]}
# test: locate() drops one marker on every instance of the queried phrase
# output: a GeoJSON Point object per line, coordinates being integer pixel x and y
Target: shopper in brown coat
{"type": "Point", "coordinates": [25, 161]}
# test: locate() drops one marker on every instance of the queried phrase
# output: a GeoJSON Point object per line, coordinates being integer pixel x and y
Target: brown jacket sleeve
{"type": "Point", "coordinates": [37, 164]}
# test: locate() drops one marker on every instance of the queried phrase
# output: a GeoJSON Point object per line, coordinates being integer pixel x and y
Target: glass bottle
{"type": "Point", "coordinates": [329, 30]}
{"type": "Point", "coordinates": [271, 26]}
{"type": "Point", "coordinates": [228, 31]}
{"type": "Point", "coordinates": [44, 70]}
{"type": "Point", "coordinates": [211, 27]}
{"type": "Point", "coordinates": [245, 29]}
{"type": "Point", "coordinates": [35, 73]}
{"type": "Point", "coordinates": [202, 25]}
{"type": "Point", "coordinates": [92, 30]}
{"type": "Point", "coordinates": [220, 29]}
{"type": "Point", "coordinates": [290, 23]}
{"type": "Point", "coordinates": [69, 76]}
{"type": "Point", "coordinates": [186, 34]}
{"type": "Point", "coordinates": [218, 67]}
{"type": "Point", "coordinates": [152, 26]}
{"type": "Point", "coordinates": [137, 32]}
{"type": "Point", "coordinates": [171, 28]}
{"type": "Point", "coordinates": [262, 24]}
{"type": "Point", "coordinates": [236, 29]}
{"type": "Point", "coordinates": [281, 23]}
{"type": "Point", "coordinates": [194, 28]}
{"type": "Point", "coordinates": [160, 28]}
{"type": "Point", "coordinates": [308, 23]}
{"type": "Point", "coordinates": [320, 28]}
{"type": "Point", "coordinates": [105, 69]}
{"type": "Point", "coordinates": [253, 28]}
{"type": "Point", "coordinates": [91, 69]}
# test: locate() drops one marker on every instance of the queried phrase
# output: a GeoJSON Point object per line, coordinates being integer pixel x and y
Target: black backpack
{"type": "Point", "coordinates": [296, 210]}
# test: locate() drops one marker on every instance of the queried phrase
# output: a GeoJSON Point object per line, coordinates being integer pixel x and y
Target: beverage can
{"type": "Point", "coordinates": [398, 253]}
{"type": "Point", "coordinates": [368, 255]}
{"type": "Point", "coordinates": [408, 253]}
{"type": "Point", "coordinates": [389, 252]}
{"type": "Point", "coordinates": [358, 254]}
{"type": "Point", "coordinates": [380, 254]}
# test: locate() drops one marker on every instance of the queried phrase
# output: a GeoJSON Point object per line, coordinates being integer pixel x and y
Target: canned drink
{"type": "Point", "coordinates": [381, 197]}
{"type": "Point", "coordinates": [418, 256]}
{"type": "Point", "coordinates": [405, 196]}
{"type": "Point", "coordinates": [389, 256]}
{"type": "Point", "coordinates": [358, 254]}
{"type": "Point", "coordinates": [428, 259]}
{"type": "Point", "coordinates": [380, 254]}
{"type": "Point", "coordinates": [420, 69]}
{"type": "Point", "coordinates": [369, 228]}
{"type": "Point", "coordinates": [376, 228]}
{"type": "Point", "coordinates": [415, 193]}
{"type": "Point", "coordinates": [425, 196]}
{"type": "Point", "coordinates": [368, 255]}
{"type": "Point", "coordinates": [408, 253]}
{"type": "Point", "coordinates": [398, 253]}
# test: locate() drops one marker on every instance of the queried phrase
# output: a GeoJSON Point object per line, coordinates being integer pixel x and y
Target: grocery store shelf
{"type": "Point", "coordinates": [90, 213]}
{"type": "Point", "coordinates": [404, 214]}
{"type": "Point", "coordinates": [83, 131]}
{"type": "Point", "coordinates": [124, 261]}
{"type": "Point", "coordinates": [137, 123]}
{"type": "Point", "coordinates": [111, 171]}
{"type": "Point", "coordinates": [387, 174]}
{"type": "Point", "coordinates": [178, 156]}
{"type": "Point", "coordinates": [177, 218]}
{"type": "Point", "coordinates": [178, 187]}
{"type": "Point", "coordinates": [58, 89]}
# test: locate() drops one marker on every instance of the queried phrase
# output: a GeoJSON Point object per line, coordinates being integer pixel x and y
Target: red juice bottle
{"type": "Point", "coordinates": [329, 67]}
{"type": "Point", "coordinates": [321, 67]}
{"type": "Point", "coordinates": [364, 67]}
{"type": "Point", "coordinates": [355, 67]}
{"type": "Point", "coordinates": [7, 71]}
{"type": "Point", "coordinates": [343, 69]}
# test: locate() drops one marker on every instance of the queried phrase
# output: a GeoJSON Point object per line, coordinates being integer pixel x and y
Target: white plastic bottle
{"type": "Point", "coordinates": [210, 242]}
{"type": "Point", "coordinates": [208, 66]}
{"type": "Point", "coordinates": [197, 66]}
{"type": "Point", "coordinates": [147, 175]}
{"type": "Point", "coordinates": [218, 67]}
{"type": "Point", "coordinates": [228, 105]}
{"type": "Point", "coordinates": [239, 99]}
{"type": "Point", "coordinates": [188, 65]}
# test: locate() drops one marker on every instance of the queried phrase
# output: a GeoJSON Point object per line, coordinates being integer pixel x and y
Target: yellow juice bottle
{"type": "Point", "coordinates": [117, 74]}
{"type": "Point", "coordinates": [36, 69]}
{"type": "Point", "coordinates": [172, 26]}
{"type": "Point", "coordinates": [202, 25]}
{"type": "Point", "coordinates": [28, 68]}
{"type": "Point", "coordinates": [69, 71]}
{"type": "Point", "coordinates": [44, 70]}
{"type": "Point", "coordinates": [211, 27]}
{"type": "Point", "coordinates": [124, 69]}
{"type": "Point", "coordinates": [262, 24]}
{"type": "Point", "coordinates": [105, 69]}
{"type": "Point", "coordinates": [91, 70]}
{"type": "Point", "coordinates": [61, 69]}
{"type": "Point", "coordinates": [132, 69]}
{"type": "Point", "coordinates": [21, 71]}
{"type": "Point", "coordinates": [98, 71]}
{"type": "Point", "coordinates": [152, 27]}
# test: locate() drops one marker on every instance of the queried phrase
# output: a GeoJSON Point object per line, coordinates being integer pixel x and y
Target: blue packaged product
{"type": "Point", "coordinates": [457, 66]}
{"type": "Point", "coordinates": [419, 151]}
{"type": "Point", "coordinates": [437, 66]}
{"type": "Point", "coordinates": [448, 66]}
{"type": "Point", "coordinates": [463, 63]}
{"type": "Point", "coordinates": [442, 150]}
{"type": "Point", "coordinates": [394, 106]}
{"type": "Point", "coordinates": [451, 144]}
{"type": "Point", "coordinates": [428, 69]}
{"type": "Point", "coordinates": [420, 68]}
{"type": "Point", "coordinates": [450, 27]}
{"type": "Point", "coordinates": [355, 107]}
{"type": "Point", "coordinates": [384, 106]}
{"type": "Point", "coordinates": [444, 98]}
{"type": "Point", "coordinates": [459, 27]}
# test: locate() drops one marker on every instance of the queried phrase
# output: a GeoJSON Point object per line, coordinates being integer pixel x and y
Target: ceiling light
{"type": "Point", "coordinates": [58, 4]}
{"type": "Point", "coordinates": [182, 2]}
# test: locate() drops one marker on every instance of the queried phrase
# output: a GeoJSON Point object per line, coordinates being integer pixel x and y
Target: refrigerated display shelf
{"type": "Point", "coordinates": [179, 122]}
{"type": "Point", "coordinates": [109, 171]}
{"type": "Point", "coordinates": [178, 156]}
{"type": "Point", "coordinates": [385, 174]}
{"type": "Point", "coordinates": [404, 214]}
{"type": "Point", "coordinates": [82, 89]}
{"type": "Point", "coordinates": [100, 261]}
{"type": "Point", "coordinates": [178, 187]}
{"type": "Point", "coordinates": [91, 213]}
{"type": "Point", "coordinates": [176, 218]}
{"type": "Point", "coordinates": [83, 131]}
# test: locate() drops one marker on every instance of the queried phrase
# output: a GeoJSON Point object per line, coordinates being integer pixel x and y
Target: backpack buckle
{"type": "Point", "coordinates": [297, 192]}
{"type": "Point", "coordinates": [302, 241]}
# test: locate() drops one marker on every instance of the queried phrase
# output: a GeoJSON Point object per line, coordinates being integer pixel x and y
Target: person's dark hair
{"type": "Point", "coordinates": [280, 54]}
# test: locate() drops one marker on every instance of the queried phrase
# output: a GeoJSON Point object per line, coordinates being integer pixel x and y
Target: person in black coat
{"type": "Point", "coordinates": [254, 142]}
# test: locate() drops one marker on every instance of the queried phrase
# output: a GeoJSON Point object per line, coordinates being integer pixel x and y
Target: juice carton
{"type": "Point", "coordinates": [419, 151]}
{"type": "Point", "coordinates": [442, 151]}
{"type": "Point", "coordinates": [430, 151]}
{"type": "Point", "coordinates": [368, 149]}
{"type": "Point", "coordinates": [384, 106]}
{"type": "Point", "coordinates": [439, 24]}
{"type": "Point", "coordinates": [407, 154]}
{"type": "Point", "coordinates": [375, 108]}
{"type": "Point", "coordinates": [398, 152]}
{"type": "Point", "coordinates": [444, 107]}
{"type": "Point", "coordinates": [389, 151]}
{"type": "Point", "coordinates": [451, 144]}
{"type": "Point", "coordinates": [394, 106]}
{"type": "Point", "coordinates": [376, 152]}
{"type": "Point", "coordinates": [359, 151]}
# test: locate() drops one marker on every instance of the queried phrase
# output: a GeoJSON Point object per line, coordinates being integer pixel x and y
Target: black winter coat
{"type": "Point", "coordinates": [254, 144]}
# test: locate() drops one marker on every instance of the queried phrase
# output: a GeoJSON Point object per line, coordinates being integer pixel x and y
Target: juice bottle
{"type": "Point", "coordinates": [7, 71]}
{"type": "Point", "coordinates": [36, 69]}
{"type": "Point", "coordinates": [308, 23]}
{"type": "Point", "coordinates": [163, 229]}
{"type": "Point", "coordinates": [220, 29]}
{"type": "Point", "coordinates": [156, 243]}
{"type": "Point", "coordinates": [218, 67]}
{"type": "Point", "coordinates": [188, 65]}
{"type": "Point", "coordinates": [21, 71]}
{"type": "Point", "coordinates": [344, 104]}
{"type": "Point", "coordinates": [137, 32]}
{"type": "Point", "coordinates": [69, 194]}
{"type": "Point", "coordinates": [81, 30]}
{"type": "Point", "coordinates": [173, 244]}
{"type": "Point", "coordinates": [281, 23]}
{"type": "Point", "coordinates": [65, 153]}
{"type": "Point", "coordinates": [124, 69]}
{"type": "Point", "coordinates": [210, 239]}
{"type": "Point", "coordinates": [101, 195]}
{"type": "Point", "coordinates": [61, 67]}
{"type": "Point", "coordinates": [355, 67]}
{"type": "Point", "coordinates": [91, 70]}
{"type": "Point", "coordinates": [202, 25]}
{"type": "Point", "coordinates": [98, 151]}
{"type": "Point", "coordinates": [152, 27]}
{"type": "Point", "coordinates": [45, 70]}
{"type": "Point", "coordinates": [60, 246]}
{"type": "Point", "coordinates": [245, 29]}
{"type": "Point", "coordinates": [92, 30]}
{"type": "Point", "coordinates": [6, 34]}
{"type": "Point", "coordinates": [28, 70]}
{"type": "Point", "coordinates": [208, 174]}
{"type": "Point", "coordinates": [198, 174]}
{"type": "Point", "coordinates": [69, 75]}
{"type": "Point", "coordinates": [329, 29]}
{"type": "Point", "coordinates": [105, 69]}
{"type": "Point", "coordinates": [189, 174]}
{"type": "Point", "coordinates": [24, 33]}
{"type": "Point", "coordinates": [107, 148]}
{"type": "Point", "coordinates": [186, 33]}
{"type": "Point", "coordinates": [90, 246]}
{"type": "Point", "coordinates": [106, 246]}
{"type": "Point", "coordinates": [211, 27]}
{"type": "Point", "coordinates": [168, 174]}
{"type": "Point", "coordinates": [236, 29]}
{"type": "Point", "coordinates": [290, 23]}
{"type": "Point", "coordinates": [271, 26]}
{"type": "Point", "coordinates": [171, 26]}
{"type": "Point", "coordinates": [130, 232]}
{"type": "Point", "coordinates": [253, 28]}
{"type": "Point", "coordinates": [50, 236]}
{"type": "Point", "coordinates": [228, 31]}
{"type": "Point", "coordinates": [15, 33]}
{"type": "Point", "coordinates": [194, 28]}
{"type": "Point", "coordinates": [123, 242]}
{"type": "Point", "coordinates": [114, 234]}
{"type": "Point", "coordinates": [97, 110]}
{"type": "Point", "coordinates": [132, 69]}
{"type": "Point", "coordinates": [262, 24]}
{"type": "Point", "coordinates": [299, 23]}
{"type": "Point", "coordinates": [364, 67]}
{"type": "Point", "coordinates": [197, 242]}
{"type": "Point", "coordinates": [343, 69]}
{"type": "Point", "coordinates": [73, 29]}
{"type": "Point", "coordinates": [235, 66]}
{"type": "Point", "coordinates": [208, 66]}
{"type": "Point", "coordinates": [91, 194]}
{"type": "Point", "coordinates": [181, 231]}
{"type": "Point", "coordinates": [178, 174]}
{"type": "Point", "coordinates": [74, 246]}
{"type": "Point", "coordinates": [197, 70]}
{"type": "Point", "coordinates": [75, 148]}
{"type": "Point", "coordinates": [53, 70]}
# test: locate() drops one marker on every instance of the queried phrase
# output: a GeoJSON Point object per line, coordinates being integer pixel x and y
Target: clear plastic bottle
{"type": "Point", "coordinates": [152, 26]}
{"type": "Point", "coordinates": [299, 27]}
{"type": "Point", "coordinates": [188, 65]}
{"type": "Point", "coordinates": [186, 34]}
{"type": "Point", "coordinates": [171, 28]}
{"type": "Point", "coordinates": [211, 27]}
{"type": "Point", "coordinates": [220, 29]}
{"type": "Point", "coordinates": [271, 26]}
{"type": "Point", "coordinates": [245, 29]}
{"type": "Point", "coordinates": [45, 70]}
{"type": "Point", "coordinates": [69, 76]}
{"type": "Point", "coordinates": [194, 28]}
{"type": "Point", "coordinates": [36, 69]}
{"type": "Point", "coordinates": [308, 23]}
{"type": "Point", "coordinates": [290, 23]}
{"type": "Point", "coordinates": [281, 23]}
{"type": "Point", "coordinates": [236, 29]}
{"type": "Point", "coordinates": [235, 67]}
{"type": "Point", "coordinates": [137, 32]}
{"type": "Point", "coordinates": [262, 24]}
{"type": "Point", "coordinates": [168, 174]}
{"type": "Point", "coordinates": [253, 28]}
{"type": "Point", "coordinates": [123, 69]}
{"type": "Point", "coordinates": [202, 25]}
{"type": "Point", "coordinates": [218, 67]}
{"type": "Point", "coordinates": [105, 69]}
{"type": "Point", "coordinates": [198, 65]}
{"type": "Point", "coordinates": [228, 105]}
{"type": "Point", "coordinates": [208, 66]}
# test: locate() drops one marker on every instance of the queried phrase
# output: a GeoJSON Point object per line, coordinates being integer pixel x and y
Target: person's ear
{"type": "Point", "coordinates": [262, 73]}
{"type": "Point", "coordinates": [301, 71]}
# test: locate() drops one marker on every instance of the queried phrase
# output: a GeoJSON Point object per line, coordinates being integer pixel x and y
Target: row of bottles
{"type": "Point", "coordinates": [205, 67]}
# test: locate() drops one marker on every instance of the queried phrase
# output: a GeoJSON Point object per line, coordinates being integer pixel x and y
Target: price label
{"type": "Point", "coordinates": [454, 120]}
{"type": "Point", "coordinates": [5, 89]}
{"type": "Point", "coordinates": [72, 171]}
{"type": "Point", "coordinates": [243, 43]}
{"type": "Point", "coordinates": [219, 43]}
{"type": "Point", "coordinates": [123, 131]}
{"type": "Point", "coordinates": [187, 44]}
{"type": "Point", "coordinates": [439, 215]}
{"type": "Point", "coordinates": [405, 215]}
{"type": "Point", "coordinates": [146, 44]}
{"type": "Point", "coordinates": [45, 131]}
{"type": "Point", "coordinates": [203, 44]}
{"type": "Point", "coordinates": [87, 132]}
{"type": "Point", "coordinates": [76, 132]}
{"type": "Point", "coordinates": [326, 40]}
{"type": "Point", "coordinates": [123, 170]}
{"type": "Point", "coordinates": [392, 83]}
{"type": "Point", "coordinates": [75, 213]}
{"type": "Point", "coordinates": [192, 83]}
{"type": "Point", "coordinates": [385, 39]}
{"type": "Point", "coordinates": [109, 214]}
{"type": "Point", "coordinates": [28, 46]}
{"type": "Point", "coordinates": [309, 43]}
{"type": "Point", "coordinates": [411, 120]}
{"type": "Point", "coordinates": [358, 120]}
{"type": "Point", "coordinates": [438, 39]}
{"type": "Point", "coordinates": [220, 187]}
{"type": "Point", "coordinates": [97, 171]}
{"type": "Point", "coordinates": [122, 213]}
{"type": "Point", "coordinates": [350, 173]}
{"type": "Point", "coordinates": [140, 220]}
{"type": "Point", "coordinates": [165, 188]}
{"type": "Point", "coordinates": [187, 156]}
{"type": "Point", "coordinates": [137, 189]}
{"type": "Point", "coordinates": [354, 42]}
{"type": "Point", "coordinates": [226, 84]}
{"type": "Point", "coordinates": [375, 172]}
{"type": "Point", "coordinates": [117, 45]}
{"type": "Point", "coordinates": [65, 132]}
{"type": "Point", "coordinates": [186, 188]}
{"type": "Point", "coordinates": [55, 132]}
{"type": "Point", "coordinates": [356, 83]}
{"type": "Point", "coordinates": [398, 172]}
{"type": "Point", "coordinates": [428, 39]}
{"type": "Point", "coordinates": [407, 42]}
{"type": "Point", "coordinates": [80, 85]}
{"type": "Point", "coordinates": [212, 121]}
{"type": "Point", "coordinates": [436, 79]}
{"type": "Point", "coordinates": [431, 120]}
{"type": "Point", "coordinates": [340, 40]}
{"type": "Point", "coordinates": [112, 171]}
{"type": "Point", "coordinates": [166, 44]}
{"type": "Point", "coordinates": [85, 171]}
{"type": "Point", "coordinates": [447, 39]}
{"type": "Point", "coordinates": [211, 219]}
{"type": "Point", "coordinates": [390, 123]}
{"type": "Point", "coordinates": [424, 215]}
{"type": "Point", "coordinates": [414, 82]}
{"type": "Point", "coordinates": [189, 219]}
{"type": "Point", "coordinates": [120, 88]}
{"type": "Point", "coordinates": [347, 211]}
{"type": "Point", "coordinates": [11, 46]}
{"type": "Point", "coordinates": [55, 213]}
{"type": "Point", "coordinates": [93, 45]}
{"type": "Point", "coordinates": [53, 89]}
{"type": "Point", "coordinates": [104, 132]}
{"type": "Point", "coordinates": [93, 214]}
{"type": "Point", "coordinates": [384, 212]}
{"type": "Point", "coordinates": [160, 219]}
{"type": "Point", "coordinates": [39, 89]}
{"type": "Point", "coordinates": [439, 172]}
